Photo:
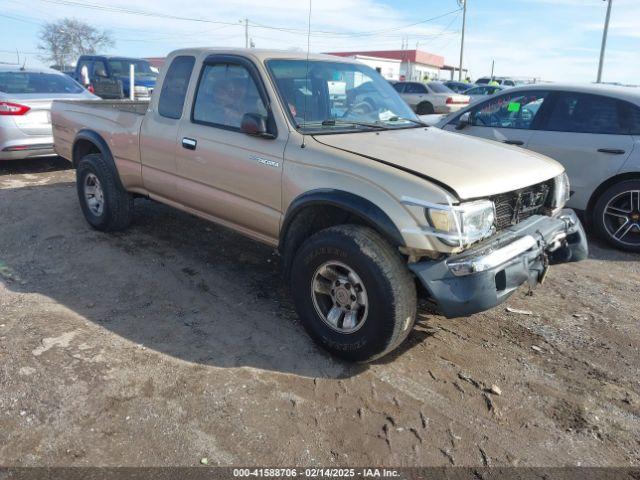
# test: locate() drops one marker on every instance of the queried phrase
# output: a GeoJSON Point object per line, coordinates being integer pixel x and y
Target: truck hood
{"type": "Point", "coordinates": [471, 167]}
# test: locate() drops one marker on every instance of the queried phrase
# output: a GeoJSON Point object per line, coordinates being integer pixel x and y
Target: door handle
{"type": "Point", "coordinates": [612, 151]}
{"type": "Point", "coordinates": [189, 143]}
{"type": "Point", "coordinates": [513, 142]}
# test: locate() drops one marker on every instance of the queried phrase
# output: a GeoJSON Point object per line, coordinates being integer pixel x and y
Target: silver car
{"type": "Point", "coordinates": [25, 104]}
{"type": "Point", "coordinates": [593, 130]}
{"type": "Point", "coordinates": [481, 92]}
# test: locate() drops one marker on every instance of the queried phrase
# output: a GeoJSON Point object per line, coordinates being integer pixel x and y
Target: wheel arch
{"type": "Point", "coordinates": [86, 142]}
{"type": "Point", "coordinates": [89, 141]}
{"type": "Point", "coordinates": [425, 103]}
{"type": "Point", "coordinates": [323, 208]}
{"type": "Point", "coordinates": [600, 189]}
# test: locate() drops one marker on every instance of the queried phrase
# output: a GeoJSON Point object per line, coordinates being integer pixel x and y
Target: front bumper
{"type": "Point", "coordinates": [487, 274]}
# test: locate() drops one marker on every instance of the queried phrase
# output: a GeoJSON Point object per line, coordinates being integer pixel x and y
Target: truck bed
{"type": "Point", "coordinates": [116, 121]}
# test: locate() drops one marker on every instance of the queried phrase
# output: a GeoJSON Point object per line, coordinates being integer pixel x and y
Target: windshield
{"type": "Point", "coordinates": [120, 67]}
{"type": "Point", "coordinates": [325, 96]}
{"type": "Point", "coordinates": [440, 87]}
{"type": "Point", "coordinates": [37, 82]}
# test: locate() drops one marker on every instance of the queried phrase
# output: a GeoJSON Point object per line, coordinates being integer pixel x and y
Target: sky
{"type": "Point", "coordinates": [555, 40]}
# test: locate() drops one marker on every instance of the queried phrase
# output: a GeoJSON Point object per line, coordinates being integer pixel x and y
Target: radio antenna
{"type": "Point", "coordinates": [306, 76]}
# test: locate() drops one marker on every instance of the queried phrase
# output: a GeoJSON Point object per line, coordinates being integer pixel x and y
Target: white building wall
{"type": "Point", "coordinates": [416, 72]}
{"type": "Point", "coordinates": [388, 68]}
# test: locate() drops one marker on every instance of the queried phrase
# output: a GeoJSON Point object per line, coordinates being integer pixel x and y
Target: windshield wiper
{"type": "Point", "coordinates": [333, 122]}
{"type": "Point", "coordinates": [417, 122]}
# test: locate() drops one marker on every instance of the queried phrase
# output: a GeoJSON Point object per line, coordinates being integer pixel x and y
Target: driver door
{"type": "Point", "coordinates": [509, 118]}
{"type": "Point", "coordinates": [222, 172]}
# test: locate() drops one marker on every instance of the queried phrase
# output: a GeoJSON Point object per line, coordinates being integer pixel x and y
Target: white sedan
{"type": "Point", "coordinates": [593, 130]}
{"type": "Point", "coordinates": [432, 97]}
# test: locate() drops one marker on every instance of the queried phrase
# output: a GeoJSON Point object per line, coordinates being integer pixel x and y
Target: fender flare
{"type": "Point", "coordinates": [100, 143]}
{"type": "Point", "coordinates": [373, 215]}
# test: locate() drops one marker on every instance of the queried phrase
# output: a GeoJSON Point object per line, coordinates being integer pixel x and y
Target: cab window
{"type": "Point", "coordinates": [517, 110]}
{"type": "Point", "coordinates": [226, 92]}
{"type": "Point", "coordinates": [99, 69]}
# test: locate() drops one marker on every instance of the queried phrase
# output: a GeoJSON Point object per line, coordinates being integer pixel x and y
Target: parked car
{"type": "Point", "coordinates": [25, 102]}
{"type": "Point", "coordinates": [458, 87]}
{"type": "Point", "coordinates": [482, 91]}
{"type": "Point", "coordinates": [364, 204]}
{"type": "Point", "coordinates": [503, 81]}
{"type": "Point", "coordinates": [108, 76]}
{"type": "Point", "coordinates": [594, 131]}
{"type": "Point", "coordinates": [429, 98]}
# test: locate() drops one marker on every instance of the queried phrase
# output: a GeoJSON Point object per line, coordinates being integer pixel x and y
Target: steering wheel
{"type": "Point", "coordinates": [365, 107]}
{"type": "Point", "coordinates": [493, 120]}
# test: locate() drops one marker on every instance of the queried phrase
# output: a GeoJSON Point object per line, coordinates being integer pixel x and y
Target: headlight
{"type": "Point", "coordinates": [561, 191]}
{"type": "Point", "coordinates": [462, 224]}
{"type": "Point", "coordinates": [140, 90]}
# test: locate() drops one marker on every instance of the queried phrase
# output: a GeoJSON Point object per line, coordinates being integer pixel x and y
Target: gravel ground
{"type": "Point", "coordinates": [177, 340]}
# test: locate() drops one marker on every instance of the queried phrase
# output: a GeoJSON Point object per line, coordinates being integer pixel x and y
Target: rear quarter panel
{"type": "Point", "coordinates": [117, 124]}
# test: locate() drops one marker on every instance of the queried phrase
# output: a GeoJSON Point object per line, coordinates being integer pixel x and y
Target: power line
{"type": "Point", "coordinates": [146, 13]}
{"type": "Point", "coordinates": [356, 34]}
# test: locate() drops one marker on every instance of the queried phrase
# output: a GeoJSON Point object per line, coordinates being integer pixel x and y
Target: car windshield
{"type": "Point", "coordinates": [120, 67]}
{"type": "Point", "coordinates": [324, 96]}
{"type": "Point", "coordinates": [37, 82]}
{"type": "Point", "coordinates": [438, 87]}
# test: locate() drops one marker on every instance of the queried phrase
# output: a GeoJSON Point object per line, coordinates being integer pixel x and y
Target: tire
{"type": "Point", "coordinates": [425, 108]}
{"type": "Point", "coordinates": [117, 204]}
{"type": "Point", "coordinates": [616, 215]}
{"type": "Point", "coordinates": [389, 292]}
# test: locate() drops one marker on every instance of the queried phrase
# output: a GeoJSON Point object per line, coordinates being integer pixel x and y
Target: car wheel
{"type": "Point", "coordinates": [616, 215]}
{"type": "Point", "coordinates": [353, 292]}
{"type": "Point", "coordinates": [425, 108]}
{"type": "Point", "coordinates": [106, 205]}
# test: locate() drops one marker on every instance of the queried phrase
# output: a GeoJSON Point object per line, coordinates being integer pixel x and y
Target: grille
{"type": "Point", "coordinates": [514, 207]}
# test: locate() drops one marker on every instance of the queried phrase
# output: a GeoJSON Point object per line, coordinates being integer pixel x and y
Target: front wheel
{"type": "Point", "coordinates": [353, 292]}
{"type": "Point", "coordinates": [616, 215]}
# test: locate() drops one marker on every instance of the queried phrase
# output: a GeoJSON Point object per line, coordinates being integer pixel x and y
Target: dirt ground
{"type": "Point", "coordinates": [176, 340]}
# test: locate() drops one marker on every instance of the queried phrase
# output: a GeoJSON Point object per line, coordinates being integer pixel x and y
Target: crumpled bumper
{"type": "Point", "coordinates": [487, 274]}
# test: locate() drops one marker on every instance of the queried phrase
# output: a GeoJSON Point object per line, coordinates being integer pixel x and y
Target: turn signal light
{"type": "Point", "coordinates": [8, 108]}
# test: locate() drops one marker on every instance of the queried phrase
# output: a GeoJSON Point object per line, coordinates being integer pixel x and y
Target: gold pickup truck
{"type": "Point", "coordinates": [368, 206]}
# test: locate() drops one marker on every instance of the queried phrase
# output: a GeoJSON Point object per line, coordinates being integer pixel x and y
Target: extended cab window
{"type": "Point", "coordinates": [585, 113]}
{"type": "Point", "coordinates": [515, 110]}
{"type": "Point", "coordinates": [174, 87]}
{"type": "Point", "coordinates": [225, 94]}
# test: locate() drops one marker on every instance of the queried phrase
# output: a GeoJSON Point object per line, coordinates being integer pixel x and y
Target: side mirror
{"type": "Point", "coordinates": [464, 121]}
{"type": "Point", "coordinates": [254, 125]}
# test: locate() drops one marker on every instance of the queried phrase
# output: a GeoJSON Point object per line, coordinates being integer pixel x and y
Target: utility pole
{"type": "Point", "coordinates": [246, 33]}
{"type": "Point", "coordinates": [604, 40]}
{"type": "Point", "coordinates": [463, 4]}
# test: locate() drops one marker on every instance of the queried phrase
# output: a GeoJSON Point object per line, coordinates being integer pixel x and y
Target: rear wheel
{"type": "Point", "coordinates": [106, 205]}
{"type": "Point", "coordinates": [425, 108]}
{"type": "Point", "coordinates": [353, 292]}
{"type": "Point", "coordinates": [616, 215]}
